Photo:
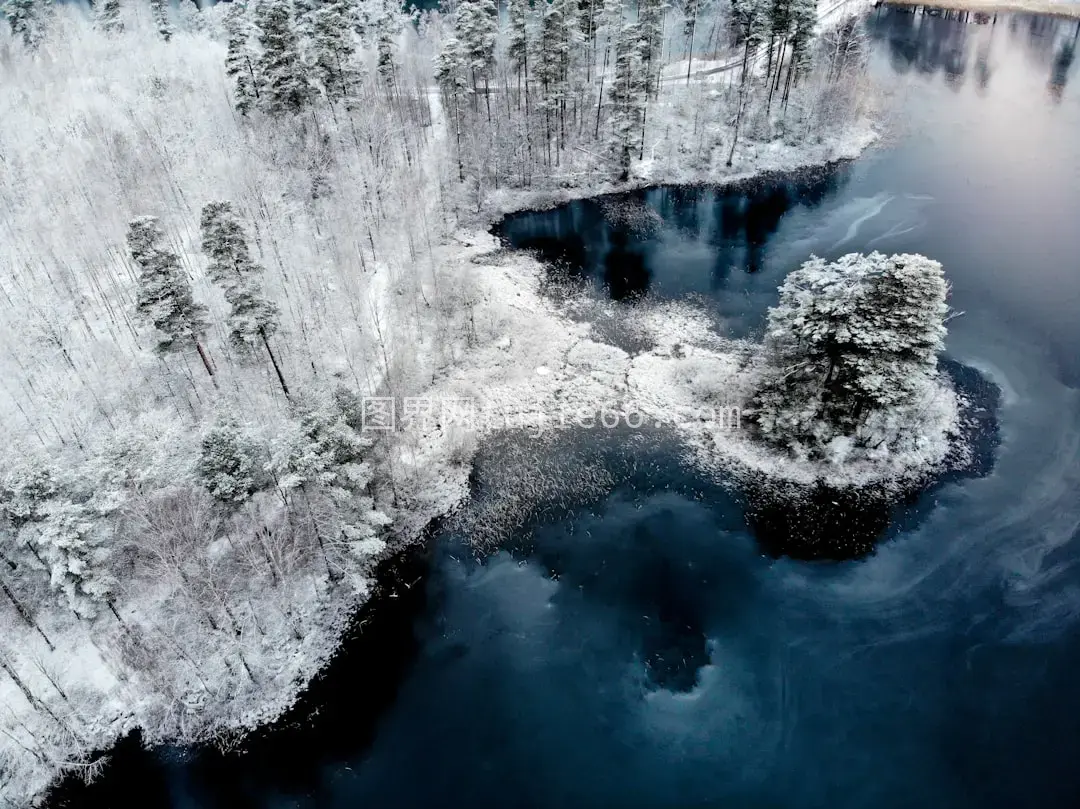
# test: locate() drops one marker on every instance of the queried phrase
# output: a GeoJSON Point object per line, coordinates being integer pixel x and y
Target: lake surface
{"type": "Point", "coordinates": [633, 646]}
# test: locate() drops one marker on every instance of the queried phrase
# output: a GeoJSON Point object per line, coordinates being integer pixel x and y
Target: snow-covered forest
{"type": "Point", "coordinates": [222, 228]}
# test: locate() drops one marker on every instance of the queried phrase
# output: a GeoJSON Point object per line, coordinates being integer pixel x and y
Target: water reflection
{"type": "Point", "coordinates": [671, 241]}
{"type": "Point", "coordinates": [933, 41]}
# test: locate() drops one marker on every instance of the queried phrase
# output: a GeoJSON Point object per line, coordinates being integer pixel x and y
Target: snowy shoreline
{"type": "Point", "coordinates": [767, 160]}
{"type": "Point", "coordinates": [536, 358]}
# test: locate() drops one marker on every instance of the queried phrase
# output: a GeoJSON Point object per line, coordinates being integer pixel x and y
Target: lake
{"type": "Point", "coordinates": [632, 646]}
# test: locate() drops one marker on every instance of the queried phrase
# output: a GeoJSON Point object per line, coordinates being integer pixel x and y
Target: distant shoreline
{"type": "Point", "coordinates": [1056, 9]}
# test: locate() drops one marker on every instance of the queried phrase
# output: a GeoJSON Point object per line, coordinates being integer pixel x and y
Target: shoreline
{"type": "Point", "coordinates": [1046, 7]}
{"type": "Point", "coordinates": [517, 300]}
{"type": "Point", "coordinates": [541, 336]}
{"type": "Point", "coordinates": [379, 623]}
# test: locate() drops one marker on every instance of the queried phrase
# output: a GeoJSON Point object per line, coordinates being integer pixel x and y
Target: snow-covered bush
{"type": "Point", "coordinates": [851, 356]}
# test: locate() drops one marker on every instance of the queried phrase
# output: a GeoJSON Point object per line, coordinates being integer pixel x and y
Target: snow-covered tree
{"type": "Point", "coordinates": [517, 43]}
{"type": "Point", "coordinates": [108, 16]}
{"type": "Point", "coordinates": [286, 88]}
{"type": "Point", "coordinates": [384, 23]}
{"type": "Point", "coordinates": [477, 26]}
{"type": "Point", "coordinates": [626, 98]}
{"type": "Point", "coordinates": [751, 21]}
{"type": "Point", "coordinates": [73, 544]}
{"type": "Point", "coordinates": [252, 317]}
{"type": "Point", "coordinates": [232, 463]}
{"type": "Point", "coordinates": [164, 299]}
{"type": "Point", "coordinates": [852, 345]}
{"type": "Point", "coordinates": [803, 20]}
{"type": "Point", "coordinates": [326, 449]}
{"type": "Point", "coordinates": [159, 10]}
{"type": "Point", "coordinates": [650, 41]}
{"type": "Point", "coordinates": [26, 489]}
{"type": "Point", "coordinates": [241, 57]}
{"type": "Point", "coordinates": [555, 46]}
{"type": "Point", "coordinates": [27, 19]}
{"type": "Point", "coordinates": [333, 52]}
{"type": "Point", "coordinates": [691, 9]}
{"type": "Point", "coordinates": [323, 458]}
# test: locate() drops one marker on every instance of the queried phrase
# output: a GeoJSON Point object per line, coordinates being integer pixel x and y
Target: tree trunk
{"type": "Point", "coordinates": [738, 120]}
{"type": "Point", "coordinates": [779, 71]}
{"type": "Point", "coordinates": [25, 615]}
{"type": "Point", "coordinates": [18, 681]}
{"type": "Point", "coordinates": [205, 361]}
{"type": "Point", "coordinates": [690, 50]}
{"type": "Point", "coordinates": [274, 362]}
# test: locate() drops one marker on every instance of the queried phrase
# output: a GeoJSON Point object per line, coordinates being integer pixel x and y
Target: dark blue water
{"type": "Point", "coordinates": [637, 649]}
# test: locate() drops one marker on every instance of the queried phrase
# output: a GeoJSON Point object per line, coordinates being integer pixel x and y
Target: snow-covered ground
{"type": "Point", "coordinates": [485, 334]}
{"type": "Point", "coordinates": [527, 362]}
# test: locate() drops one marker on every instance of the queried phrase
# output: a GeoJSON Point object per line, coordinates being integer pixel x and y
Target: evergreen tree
{"type": "Point", "coordinates": [385, 26]}
{"type": "Point", "coordinates": [323, 456]}
{"type": "Point", "coordinates": [803, 20]}
{"type": "Point", "coordinates": [333, 51]}
{"type": "Point", "coordinates": [286, 89]}
{"type": "Point", "coordinates": [451, 74]}
{"type": "Point", "coordinates": [477, 26]}
{"type": "Point", "coordinates": [72, 543]}
{"type": "Point", "coordinates": [108, 16]}
{"type": "Point", "coordinates": [555, 47]}
{"type": "Point", "coordinates": [252, 317]}
{"type": "Point", "coordinates": [231, 464]}
{"type": "Point", "coordinates": [650, 39]}
{"type": "Point", "coordinates": [27, 20]}
{"type": "Point", "coordinates": [164, 299]}
{"type": "Point", "coordinates": [159, 10]}
{"type": "Point", "coordinates": [751, 21]}
{"type": "Point", "coordinates": [325, 450]}
{"type": "Point", "coordinates": [626, 99]}
{"type": "Point", "coordinates": [517, 45]}
{"type": "Point", "coordinates": [240, 58]}
{"type": "Point", "coordinates": [850, 340]}
{"type": "Point", "coordinates": [691, 9]}
{"type": "Point", "coordinates": [25, 490]}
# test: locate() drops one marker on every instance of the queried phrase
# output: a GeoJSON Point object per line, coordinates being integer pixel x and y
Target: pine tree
{"type": "Point", "coordinates": [252, 317]}
{"type": "Point", "coordinates": [333, 51]}
{"type": "Point", "coordinates": [286, 88]}
{"type": "Point", "coordinates": [451, 73]}
{"type": "Point", "coordinates": [232, 463]}
{"type": "Point", "coordinates": [477, 26]}
{"type": "Point", "coordinates": [803, 20]}
{"type": "Point", "coordinates": [323, 456]}
{"type": "Point", "coordinates": [850, 340]}
{"type": "Point", "coordinates": [108, 17]}
{"type": "Point", "coordinates": [240, 58]}
{"type": "Point", "coordinates": [517, 45]}
{"type": "Point", "coordinates": [650, 32]}
{"type": "Point", "coordinates": [25, 489]}
{"type": "Point", "coordinates": [27, 20]}
{"type": "Point", "coordinates": [385, 26]}
{"type": "Point", "coordinates": [159, 10]}
{"type": "Point", "coordinates": [164, 299]}
{"type": "Point", "coordinates": [555, 47]}
{"type": "Point", "coordinates": [691, 9]}
{"type": "Point", "coordinates": [750, 20]}
{"type": "Point", "coordinates": [72, 543]}
{"type": "Point", "coordinates": [626, 99]}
